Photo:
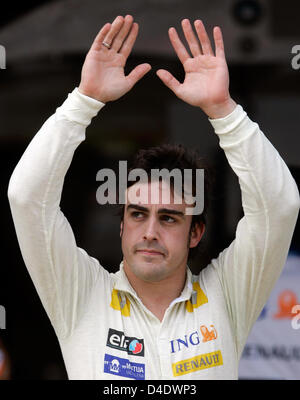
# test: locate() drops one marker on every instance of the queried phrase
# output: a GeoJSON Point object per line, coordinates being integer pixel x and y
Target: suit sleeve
{"type": "Point", "coordinates": [63, 274]}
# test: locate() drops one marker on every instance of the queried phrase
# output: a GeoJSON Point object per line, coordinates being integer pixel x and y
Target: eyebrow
{"type": "Point", "coordinates": [160, 211]}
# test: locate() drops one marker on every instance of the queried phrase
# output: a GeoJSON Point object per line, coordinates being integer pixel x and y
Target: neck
{"type": "Point", "coordinates": [157, 296]}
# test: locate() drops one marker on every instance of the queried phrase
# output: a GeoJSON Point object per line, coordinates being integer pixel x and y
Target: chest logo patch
{"type": "Point", "coordinates": [120, 302]}
{"type": "Point", "coordinates": [208, 334]}
{"type": "Point", "coordinates": [198, 363]}
{"type": "Point", "coordinates": [194, 338]}
{"type": "Point", "coordinates": [123, 367]}
{"type": "Point", "coordinates": [197, 299]}
{"type": "Point", "coordinates": [132, 345]}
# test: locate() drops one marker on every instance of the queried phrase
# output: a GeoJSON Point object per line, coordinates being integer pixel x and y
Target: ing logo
{"type": "Point", "coordinates": [194, 339]}
{"type": "Point", "coordinates": [208, 335]}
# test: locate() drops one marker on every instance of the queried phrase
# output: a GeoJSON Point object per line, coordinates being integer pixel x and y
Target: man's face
{"type": "Point", "coordinates": [155, 237]}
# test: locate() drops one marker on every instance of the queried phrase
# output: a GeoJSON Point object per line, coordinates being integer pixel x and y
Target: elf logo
{"type": "Point", "coordinates": [132, 345]}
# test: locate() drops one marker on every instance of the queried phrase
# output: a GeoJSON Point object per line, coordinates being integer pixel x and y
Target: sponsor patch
{"type": "Point", "coordinates": [122, 367]}
{"type": "Point", "coordinates": [120, 302]}
{"type": "Point", "coordinates": [132, 345]}
{"type": "Point", "coordinates": [208, 334]}
{"type": "Point", "coordinates": [205, 334]}
{"type": "Point", "coordinates": [194, 364]}
{"type": "Point", "coordinates": [197, 299]}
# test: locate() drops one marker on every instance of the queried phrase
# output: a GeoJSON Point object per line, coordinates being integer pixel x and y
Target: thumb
{"type": "Point", "coordinates": [168, 79]}
{"type": "Point", "coordinates": [137, 73]}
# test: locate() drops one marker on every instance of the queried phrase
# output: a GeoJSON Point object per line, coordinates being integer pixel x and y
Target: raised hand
{"type": "Point", "coordinates": [206, 83]}
{"type": "Point", "coordinates": [102, 76]}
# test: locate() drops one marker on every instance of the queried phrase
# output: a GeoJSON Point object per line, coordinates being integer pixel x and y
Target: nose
{"type": "Point", "coordinates": [151, 229]}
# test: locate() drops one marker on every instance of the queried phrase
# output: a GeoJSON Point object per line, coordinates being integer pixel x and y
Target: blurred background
{"type": "Point", "coordinates": [45, 45]}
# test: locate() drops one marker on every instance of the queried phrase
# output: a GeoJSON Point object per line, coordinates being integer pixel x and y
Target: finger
{"type": "Point", "coordinates": [137, 73]}
{"type": "Point", "coordinates": [120, 37]}
{"type": "Point", "coordinates": [168, 79]}
{"type": "Point", "coordinates": [130, 40]}
{"type": "Point", "coordinates": [219, 43]}
{"type": "Point", "coordinates": [203, 37]}
{"type": "Point", "coordinates": [191, 38]}
{"type": "Point", "coordinates": [115, 28]}
{"type": "Point", "coordinates": [179, 48]}
{"type": "Point", "coordinates": [97, 44]}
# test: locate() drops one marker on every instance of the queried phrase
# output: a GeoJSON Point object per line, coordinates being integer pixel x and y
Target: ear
{"type": "Point", "coordinates": [196, 234]}
{"type": "Point", "coordinates": [121, 229]}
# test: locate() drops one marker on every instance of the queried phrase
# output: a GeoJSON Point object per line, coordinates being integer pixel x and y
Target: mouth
{"type": "Point", "coordinates": [149, 252]}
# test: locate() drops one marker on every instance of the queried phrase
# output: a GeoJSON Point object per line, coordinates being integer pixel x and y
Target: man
{"type": "Point", "coordinates": [153, 319]}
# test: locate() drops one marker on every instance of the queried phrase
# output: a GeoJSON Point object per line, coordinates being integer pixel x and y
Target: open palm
{"type": "Point", "coordinates": [102, 75]}
{"type": "Point", "coordinates": [206, 82]}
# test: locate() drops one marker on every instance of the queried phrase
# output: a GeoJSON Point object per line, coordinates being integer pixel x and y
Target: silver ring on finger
{"type": "Point", "coordinates": [107, 45]}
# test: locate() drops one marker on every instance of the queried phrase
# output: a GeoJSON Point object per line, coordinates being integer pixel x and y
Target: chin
{"type": "Point", "coordinates": [150, 274]}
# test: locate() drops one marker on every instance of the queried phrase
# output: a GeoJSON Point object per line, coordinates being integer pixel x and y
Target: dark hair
{"type": "Point", "coordinates": [171, 156]}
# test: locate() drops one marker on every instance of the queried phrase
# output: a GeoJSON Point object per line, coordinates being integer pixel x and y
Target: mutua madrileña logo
{"type": "Point", "coordinates": [118, 340]}
{"type": "Point", "coordinates": [120, 366]}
